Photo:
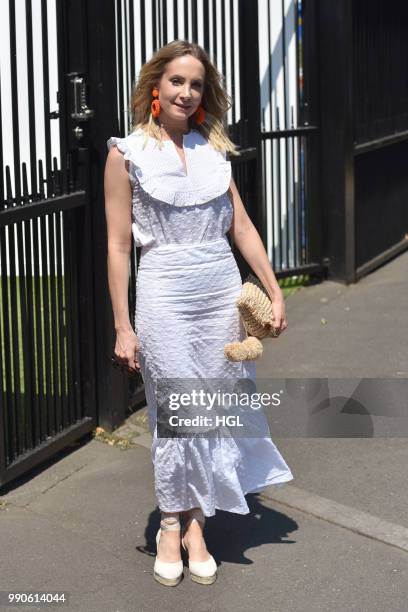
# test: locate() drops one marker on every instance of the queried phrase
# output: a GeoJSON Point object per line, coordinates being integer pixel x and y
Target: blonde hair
{"type": "Point", "coordinates": [215, 100]}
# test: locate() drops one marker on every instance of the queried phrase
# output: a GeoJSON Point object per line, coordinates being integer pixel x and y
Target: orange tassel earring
{"type": "Point", "coordinates": [199, 115]}
{"type": "Point", "coordinates": [155, 106]}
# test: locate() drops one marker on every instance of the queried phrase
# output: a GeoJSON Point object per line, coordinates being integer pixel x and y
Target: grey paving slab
{"type": "Point", "coordinates": [275, 559]}
{"type": "Point", "coordinates": [364, 334]}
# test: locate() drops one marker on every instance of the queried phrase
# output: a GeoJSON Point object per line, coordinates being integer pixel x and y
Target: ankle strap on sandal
{"type": "Point", "coordinates": [170, 521]}
{"type": "Point", "coordinates": [196, 513]}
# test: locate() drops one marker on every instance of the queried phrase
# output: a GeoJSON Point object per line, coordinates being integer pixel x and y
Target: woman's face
{"type": "Point", "coordinates": [181, 88]}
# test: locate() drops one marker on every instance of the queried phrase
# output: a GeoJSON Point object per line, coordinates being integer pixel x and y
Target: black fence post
{"type": "Point", "coordinates": [309, 115]}
{"type": "Point", "coordinates": [248, 171]}
{"type": "Point", "coordinates": [251, 104]}
{"type": "Point", "coordinates": [336, 137]}
{"type": "Point", "coordinates": [112, 385]}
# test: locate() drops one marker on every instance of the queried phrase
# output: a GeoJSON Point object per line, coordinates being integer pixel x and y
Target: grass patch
{"type": "Point", "coordinates": [51, 330]}
{"type": "Point", "coordinates": [292, 284]}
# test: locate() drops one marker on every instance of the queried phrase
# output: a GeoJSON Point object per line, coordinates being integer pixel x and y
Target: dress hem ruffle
{"type": "Point", "coordinates": [281, 479]}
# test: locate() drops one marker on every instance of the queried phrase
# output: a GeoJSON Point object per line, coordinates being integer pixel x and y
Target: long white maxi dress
{"type": "Point", "coordinates": [186, 287]}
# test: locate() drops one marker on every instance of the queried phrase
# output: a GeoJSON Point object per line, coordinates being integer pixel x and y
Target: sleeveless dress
{"type": "Point", "coordinates": [186, 286]}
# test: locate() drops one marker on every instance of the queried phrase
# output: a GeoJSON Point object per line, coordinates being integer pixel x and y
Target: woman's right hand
{"type": "Point", "coordinates": [127, 349]}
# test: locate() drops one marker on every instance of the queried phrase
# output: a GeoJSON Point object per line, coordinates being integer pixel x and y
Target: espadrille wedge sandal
{"type": "Point", "coordinates": [169, 573]}
{"type": "Point", "coordinates": [203, 572]}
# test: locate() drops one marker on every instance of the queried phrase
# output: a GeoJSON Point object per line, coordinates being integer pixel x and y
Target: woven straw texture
{"type": "Point", "coordinates": [255, 308]}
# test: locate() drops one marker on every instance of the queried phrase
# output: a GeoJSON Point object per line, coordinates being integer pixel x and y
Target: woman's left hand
{"type": "Point", "coordinates": [280, 322]}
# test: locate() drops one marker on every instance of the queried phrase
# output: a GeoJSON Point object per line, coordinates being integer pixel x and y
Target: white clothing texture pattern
{"type": "Point", "coordinates": [186, 287]}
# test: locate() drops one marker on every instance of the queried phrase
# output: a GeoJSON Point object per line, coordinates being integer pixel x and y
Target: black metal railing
{"type": "Point", "coordinates": [45, 339]}
{"type": "Point", "coordinates": [380, 70]}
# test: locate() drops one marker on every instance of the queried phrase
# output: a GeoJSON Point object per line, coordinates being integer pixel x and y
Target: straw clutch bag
{"type": "Point", "coordinates": [255, 308]}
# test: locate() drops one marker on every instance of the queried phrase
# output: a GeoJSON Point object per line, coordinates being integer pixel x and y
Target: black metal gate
{"type": "Point", "coordinates": [47, 382]}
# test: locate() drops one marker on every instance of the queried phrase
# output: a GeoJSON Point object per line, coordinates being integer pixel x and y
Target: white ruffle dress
{"type": "Point", "coordinates": [186, 286]}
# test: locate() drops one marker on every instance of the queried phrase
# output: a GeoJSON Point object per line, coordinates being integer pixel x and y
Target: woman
{"type": "Point", "coordinates": [169, 183]}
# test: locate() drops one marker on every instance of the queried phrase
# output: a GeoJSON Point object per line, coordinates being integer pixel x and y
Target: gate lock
{"type": "Point", "coordinates": [81, 110]}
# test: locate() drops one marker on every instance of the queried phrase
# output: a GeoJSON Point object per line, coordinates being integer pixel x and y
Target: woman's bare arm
{"type": "Point", "coordinates": [118, 207]}
{"type": "Point", "coordinates": [248, 241]}
{"type": "Point", "coordinates": [119, 228]}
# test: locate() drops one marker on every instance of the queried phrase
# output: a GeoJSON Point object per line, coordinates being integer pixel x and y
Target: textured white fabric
{"type": "Point", "coordinates": [186, 287]}
{"type": "Point", "coordinates": [162, 175]}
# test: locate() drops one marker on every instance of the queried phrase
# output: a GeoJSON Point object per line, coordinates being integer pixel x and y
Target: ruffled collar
{"type": "Point", "coordinates": [161, 173]}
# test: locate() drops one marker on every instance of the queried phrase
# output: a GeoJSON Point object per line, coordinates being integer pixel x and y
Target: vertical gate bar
{"type": "Point", "coordinates": [286, 141]}
{"type": "Point", "coordinates": [126, 79]}
{"type": "Point", "coordinates": [194, 32]}
{"type": "Point", "coordinates": [295, 149]}
{"type": "Point", "coordinates": [40, 430]}
{"type": "Point", "coordinates": [274, 143]}
{"type": "Point", "coordinates": [232, 92]}
{"type": "Point", "coordinates": [206, 26]}
{"type": "Point", "coordinates": [14, 97]}
{"type": "Point", "coordinates": [250, 98]}
{"type": "Point", "coordinates": [214, 29]}
{"type": "Point", "coordinates": [74, 279]}
{"type": "Point", "coordinates": [3, 448]}
{"type": "Point", "coordinates": [25, 354]}
{"type": "Point", "coordinates": [264, 145]}
{"type": "Point", "coordinates": [143, 30]}
{"type": "Point", "coordinates": [61, 267]}
{"type": "Point", "coordinates": [279, 197]}
{"type": "Point", "coordinates": [44, 283]}
{"type": "Point", "coordinates": [54, 324]}
{"type": "Point", "coordinates": [289, 198]}
{"type": "Point", "coordinates": [295, 219]}
{"type": "Point", "coordinates": [159, 23]}
{"type": "Point", "coordinates": [15, 404]}
{"type": "Point", "coordinates": [270, 73]}
{"type": "Point", "coordinates": [120, 79]}
{"type": "Point", "coordinates": [62, 105]}
{"type": "Point", "coordinates": [66, 335]}
{"type": "Point", "coordinates": [31, 356]}
{"type": "Point", "coordinates": [31, 100]}
{"type": "Point", "coordinates": [132, 41]}
{"type": "Point", "coordinates": [61, 325]}
{"type": "Point", "coordinates": [58, 327]}
{"type": "Point", "coordinates": [8, 395]}
{"type": "Point", "coordinates": [186, 32]}
{"type": "Point", "coordinates": [46, 92]}
{"type": "Point", "coordinates": [286, 124]}
{"type": "Point", "coordinates": [154, 24]}
{"type": "Point", "coordinates": [68, 263]}
{"type": "Point", "coordinates": [223, 51]}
